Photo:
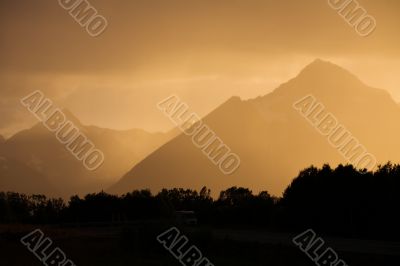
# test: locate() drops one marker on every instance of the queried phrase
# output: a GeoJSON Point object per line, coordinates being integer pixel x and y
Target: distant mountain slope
{"type": "Point", "coordinates": [2, 142]}
{"type": "Point", "coordinates": [40, 150]}
{"type": "Point", "coordinates": [272, 139]}
{"type": "Point", "coordinates": [15, 176]}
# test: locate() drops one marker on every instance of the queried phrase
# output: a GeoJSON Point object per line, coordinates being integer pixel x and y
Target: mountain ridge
{"type": "Point", "coordinates": [273, 141]}
{"type": "Point", "coordinates": [38, 149]}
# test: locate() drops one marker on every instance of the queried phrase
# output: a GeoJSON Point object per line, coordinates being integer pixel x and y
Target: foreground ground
{"type": "Point", "coordinates": [137, 245]}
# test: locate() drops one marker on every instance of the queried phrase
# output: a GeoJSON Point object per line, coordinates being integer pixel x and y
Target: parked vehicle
{"type": "Point", "coordinates": [186, 217]}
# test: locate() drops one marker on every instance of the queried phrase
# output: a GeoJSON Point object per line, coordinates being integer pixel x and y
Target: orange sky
{"type": "Point", "coordinates": [203, 50]}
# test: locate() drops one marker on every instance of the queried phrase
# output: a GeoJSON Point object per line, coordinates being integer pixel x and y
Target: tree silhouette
{"type": "Point", "coordinates": [340, 201]}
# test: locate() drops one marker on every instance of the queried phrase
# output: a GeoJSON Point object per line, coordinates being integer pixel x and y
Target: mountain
{"type": "Point", "coordinates": [2, 142]}
{"type": "Point", "coordinates": [16, 176]}
{"type": "Point", "coordinates": [38, 149]}
{"type": "Point", "coordinates": [273, 140]}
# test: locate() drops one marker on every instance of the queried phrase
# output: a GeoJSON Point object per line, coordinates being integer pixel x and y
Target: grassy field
{"type": "Point", "coordinates": [137, 245]}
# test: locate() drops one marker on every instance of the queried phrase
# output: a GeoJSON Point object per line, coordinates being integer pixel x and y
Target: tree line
{"type": "Point", "coordinates": [340, 201]}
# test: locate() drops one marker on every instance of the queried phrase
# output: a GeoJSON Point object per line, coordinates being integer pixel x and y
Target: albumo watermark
{"type": "Point", "coordinates": [203, 137]}
{"type": "Point", "coordinates": [86, 15]}
{"type": "Point", "coordinates": [178, 245]}
{"type": "Point", "coordinates": [355, 15]}
{"type": "Point", "coordinates": [42, 248]}
{"type": "Point", "coordinates": [315, 248]}
{"type": "Point", "coordinates": [65, 130]}
{"type": "Point", "coordinates": [338, 136]}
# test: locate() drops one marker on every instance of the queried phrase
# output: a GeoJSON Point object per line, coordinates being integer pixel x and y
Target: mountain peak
{"type": "Point", "coordinates": [327, 72]}
{"type": "Point", "coordinates": [319, 65]}
{"type": "Point", "coordinates": [322, 79]}
{"type": "Point", "coordinates": [320, 61]}
{"type": "Point", "coordinates": [70, 116]}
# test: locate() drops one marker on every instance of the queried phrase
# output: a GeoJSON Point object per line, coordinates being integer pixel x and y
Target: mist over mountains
{"type": "Point", "coordinates": [16, 176]}
{"type": "Point", "coordinates": [39, 153]}
{"type": "Point", "coordinates": [274, 142]}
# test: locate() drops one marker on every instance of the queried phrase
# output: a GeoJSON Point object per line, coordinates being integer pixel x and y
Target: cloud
{"type": "Point", "coordinates": [205, 50]}
{"type": "Point", "coordinates": [41, 36]}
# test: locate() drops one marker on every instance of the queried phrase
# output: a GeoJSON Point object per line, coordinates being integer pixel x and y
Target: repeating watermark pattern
{"type": "Point", "coordinates": [314, 247]}
{"type": "Point", "coordinates": [355, 15]}
{"type": "Point", "coordinates": [202, 136]}
{"type": "Point", "coordinates": [338, 136]}
{"type": "Point", "coordinates": [42, 247]}
{"type": "Point", "coordinates": [86, 15]}
{"type": "Point", "coordinates": [65, 130]}
{"type": "Point", "coordinates": [178, 245]}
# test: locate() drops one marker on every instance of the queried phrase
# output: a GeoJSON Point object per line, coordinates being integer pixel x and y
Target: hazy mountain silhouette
{"type": "Point", "coordinates": [272, 139]}
{"type": "Point", "coordinates": [2, 142]}
{"type": "Point", "coordinates": [16, 176]}
{"type": "Point", "coordinates": [38, 149]}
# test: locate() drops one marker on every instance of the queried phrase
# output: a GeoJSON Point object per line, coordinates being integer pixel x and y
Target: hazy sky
{"type": "Point", "coordinates": [203, 50]}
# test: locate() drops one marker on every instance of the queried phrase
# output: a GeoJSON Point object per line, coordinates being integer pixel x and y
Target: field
{"type": "Point", "coordinates": [137, 245]}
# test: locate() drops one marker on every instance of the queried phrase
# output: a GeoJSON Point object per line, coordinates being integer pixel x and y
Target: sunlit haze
{"type": "Point", "coordinates": [205, 51]}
